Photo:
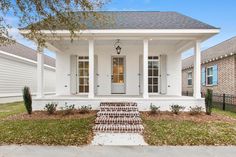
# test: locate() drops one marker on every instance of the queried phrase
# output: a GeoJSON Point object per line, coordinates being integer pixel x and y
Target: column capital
{"type": "Point", "coordinates": [40, 49]}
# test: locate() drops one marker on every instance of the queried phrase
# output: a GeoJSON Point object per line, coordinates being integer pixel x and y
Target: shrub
{"type": "Point", "coordinates": [208, 101]}
{"type": "Point", "coordinates": [68, 109]}
{"type": "Point", "coordinates": [27, 99]}
{"type": "Point", "coordinates": [51, 108]}
{"type": "Point", "coordinates": [154, 109]}
{"type": "Point", "coordinates": [85, 109]}
{"type": "Point", "coordinates": [196, 110]}
{"type": "Point", "coordinates": [176, 108]}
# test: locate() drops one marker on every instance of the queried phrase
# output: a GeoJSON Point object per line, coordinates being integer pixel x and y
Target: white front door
{"type": "Point", "coordinates": [118, 75]}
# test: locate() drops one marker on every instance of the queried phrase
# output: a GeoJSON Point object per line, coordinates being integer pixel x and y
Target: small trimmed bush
{"type": "Point", "coordinates": [208, 101]}
{"type": "Point", "coordinates": [154, 109]}
{"type": "Point", "coordinates": [195, 110]}
{"type": "Point", "coordinates": [176, 109]}
{"type": "Point", "coordinates": [85, 109]}
{"type": "Point", "coordinates": [27, 99]}
{"type": "Point", "coordinates": [51, 108]}
{"type": "Point", "coordinates": [68, 109]}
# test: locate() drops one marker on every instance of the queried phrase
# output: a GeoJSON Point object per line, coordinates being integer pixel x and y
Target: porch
{"type": "Point", "coordinates": [163, 101]}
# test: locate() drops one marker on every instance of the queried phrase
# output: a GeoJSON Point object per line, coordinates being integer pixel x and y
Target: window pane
{"type": "Point", "coordinates": [149, 72]}
{"type": "Point", "coordinates": [86, 72]}
{"type": "Point", "coordinates": [86, 89]}
{"type": "Point", "coordinates": [149, 64]}
{"type": "Point", "coordinates": [190, 82]}
{"type": "Point", "coordinates": [81, 72]}
{"type": "Point", "coordinates": [121, 61]}
{"type": "Point", "coordinates": [155, 72]}
{"type": "Point", "coordinates": [155, 57]}
{"type": "Point", "coordinates": [150, 89]}
{"type": "Point", "coordinates": [81, 89]}
{"type": "Point", "coordinates": [86, 65]}
{"type": "Point", "coordinates": [80, 64]}
{"type": "Point", "coordinates": [190, 75]}
{"type": "Point", "coordinates": [150, 81]}
{"type": "Point", "coordinates": [86, 81]}
{"type": "Point", "coordinates": [155, 89]}
{"type": "Point", "coordinates": [155, 80]}
{"type": "Point", "coordinates": [209, 71]}
{"type": "Point", "coordinates": [155, 64]}
{"type": "Point", "coordinates": [210, 80]}
{"type": "Point", "coordinates": [81, 81]}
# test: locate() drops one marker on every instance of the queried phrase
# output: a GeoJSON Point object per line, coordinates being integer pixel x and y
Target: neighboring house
{"type": "Point", "coordinates": [218, 69]}
{"type": "Point", "coordinates": [137, 58]}
{"type": "Point", "coordinates": [18, 68]}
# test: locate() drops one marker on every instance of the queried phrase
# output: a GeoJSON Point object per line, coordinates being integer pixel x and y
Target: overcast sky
{"type": "Point", "coordinates": [219, 13]}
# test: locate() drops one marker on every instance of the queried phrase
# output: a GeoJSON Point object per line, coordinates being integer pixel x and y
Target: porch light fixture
{"type": "Point", "coordinates": [117, 46]}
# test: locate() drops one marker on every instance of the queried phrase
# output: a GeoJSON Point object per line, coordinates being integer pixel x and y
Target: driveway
{"type": "Point", "coordinates": [116, 151]}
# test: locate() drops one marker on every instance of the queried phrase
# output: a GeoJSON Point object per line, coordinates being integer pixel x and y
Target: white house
{"type": "Point", "coordinates": [137, 59]}
{"type": "Point", "coordinates": [18, 68]}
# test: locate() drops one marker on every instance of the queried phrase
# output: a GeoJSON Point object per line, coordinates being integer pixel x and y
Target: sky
{"type": "Point", "coordinates": [219, 13]}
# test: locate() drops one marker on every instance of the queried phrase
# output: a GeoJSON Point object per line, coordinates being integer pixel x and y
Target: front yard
{"type": "Point", "coordinates": [183, 129]}
{"type": "Point", "coordinates": [19, 128]}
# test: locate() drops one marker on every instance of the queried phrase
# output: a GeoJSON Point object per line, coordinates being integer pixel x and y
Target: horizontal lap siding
{"type": "Point", "coordinates": [14, 75]}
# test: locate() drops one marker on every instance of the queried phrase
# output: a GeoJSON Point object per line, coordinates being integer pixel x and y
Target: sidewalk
{"type": "Point", "coordinates": [116, 151]}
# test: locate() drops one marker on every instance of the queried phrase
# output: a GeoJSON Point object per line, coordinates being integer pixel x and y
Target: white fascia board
{"type": "Point", "coordinates": [131, 31]}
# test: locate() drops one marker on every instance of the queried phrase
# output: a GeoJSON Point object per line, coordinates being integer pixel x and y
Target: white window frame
{"type": "Point", "coordinates": [188, 78]}
{"type": "Point", "coordinates": [207, 76]}
{"type": "Point", "coordinates": [158, 75]}
{"type": "Point", "coordinates": [78, 80]}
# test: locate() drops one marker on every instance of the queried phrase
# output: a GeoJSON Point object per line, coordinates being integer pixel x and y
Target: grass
{"type": "Point", "coordinates": [225, 113]}
{"type": "Point", "coordinates": [46, 132]}
{"type": "Point", "coordinates": [8, 109]}
{"type": "Point", "coordinates": [187, 132]}
{"type": "Point", "coordinates": [171, 132]}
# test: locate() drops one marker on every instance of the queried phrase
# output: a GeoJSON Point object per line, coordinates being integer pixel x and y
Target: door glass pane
{"type": "Point", "coordinates": [86, 65]}
{"type": "Point", "coordinates": [81, 88]}
{"type": "Point", "coordinates": [115, 78]}
{"type": "Point", "coordinates": [155, 64]}
{"type": "Point", "coordinates": [121, 78]}
{"type": "Point", "coordinates": [83, 70]}
{"type": "Point", "coordinates": [149, 72]}
{"type": "Point", "coordinates": [86, 72]}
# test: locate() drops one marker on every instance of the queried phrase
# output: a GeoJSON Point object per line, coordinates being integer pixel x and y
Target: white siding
{"type": "Point", "coordinates": [17, 73]}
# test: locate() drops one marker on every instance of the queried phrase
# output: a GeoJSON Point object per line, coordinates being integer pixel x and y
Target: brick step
{"type": "Point", "coordinates": [118, 128]}
{"type": "Point", "coordinates": [118, 104]}
{"type": "Point", "coordinates": [118, 120]}
{"type": "Point", "coordinates": [118, 113]}
{"type": "Point", "coordinates": [118, 108]}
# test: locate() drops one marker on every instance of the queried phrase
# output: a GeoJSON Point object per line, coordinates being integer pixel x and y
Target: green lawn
{"type": "Point", "coordinates": [186, 132]}
{"type": "Point", "coordinates": [49, 131]}
{"type": "Point", "coordinates": [225, 113]}
{"type": "Point", "coordinates": [8, 109]}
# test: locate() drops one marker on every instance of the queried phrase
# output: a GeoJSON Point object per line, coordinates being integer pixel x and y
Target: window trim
{"type": "Point", "coordinates": [189, 78]}
{"type": "Point", "coordinates": [209, 75]}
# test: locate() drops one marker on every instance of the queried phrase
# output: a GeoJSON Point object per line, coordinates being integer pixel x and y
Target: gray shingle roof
{"type": "Point", "coordinates": [26, 52]}
{"type": "Point", "coordinates": [142, 20]}
{"type": "Point", "coordinates": [227, 47]}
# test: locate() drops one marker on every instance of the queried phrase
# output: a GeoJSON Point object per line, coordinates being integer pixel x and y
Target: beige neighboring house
{"type": "Point", "coordinates": [218, 69]}
{"type": "Point", "coordinates": [18, 68]}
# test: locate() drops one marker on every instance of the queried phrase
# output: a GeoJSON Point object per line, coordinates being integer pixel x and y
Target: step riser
{"type": "Point", "coordinates": [118, 117]}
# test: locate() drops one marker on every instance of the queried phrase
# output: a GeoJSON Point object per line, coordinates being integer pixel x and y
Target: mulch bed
{"type": "Point", "coordinates": [185, 116]}
{"type": "Point", "coordinates": [41, 115]}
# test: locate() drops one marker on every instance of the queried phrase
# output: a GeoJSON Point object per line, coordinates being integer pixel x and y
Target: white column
{"type": "Point", "coordinates": [91, 69]}
{"type": "Point", "coordinates": [40, 71]}
{"type": "Point", "coordinates": [145, 68]}
{"type": "Point", "coordinates": [197, 70]}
